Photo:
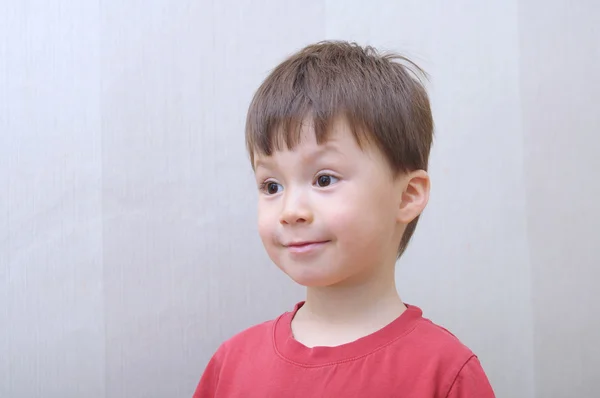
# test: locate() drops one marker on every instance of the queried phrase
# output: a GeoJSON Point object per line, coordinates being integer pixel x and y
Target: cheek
{"type": "Point", "coordinates": [264, 228]}
{"type": "Point", "coordinates": [266, 225]}
{"type": "Point", "coordinates": [366, 221]}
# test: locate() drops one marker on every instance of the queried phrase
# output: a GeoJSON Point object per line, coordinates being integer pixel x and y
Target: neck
{"type": "Point", "coordinates": [373, 300]}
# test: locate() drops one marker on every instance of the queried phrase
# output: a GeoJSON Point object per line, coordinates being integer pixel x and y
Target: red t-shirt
{"type": "Point", "coordinates": [410, 357]}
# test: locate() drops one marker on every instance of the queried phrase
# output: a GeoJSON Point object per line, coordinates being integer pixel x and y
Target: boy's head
{"type": "Point", "coordinates": [339, 138]}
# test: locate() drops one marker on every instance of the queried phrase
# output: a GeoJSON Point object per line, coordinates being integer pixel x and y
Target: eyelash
{"type": "Point", "coordinates": [263, 185]}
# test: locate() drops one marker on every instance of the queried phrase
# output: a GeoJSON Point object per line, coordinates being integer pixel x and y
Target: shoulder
{"type": "Point", "coordinates": [439, 340]}
{"type": "Point", "coordinates": [247, 341]}
{"type": "Point", "coordinates": [458, 369]}
{"type": "Point", "coordinates": [231, 353]}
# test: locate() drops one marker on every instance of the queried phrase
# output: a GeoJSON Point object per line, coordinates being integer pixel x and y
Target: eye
{"type": "Point", "coordinates": [326, 180]}
{"type": "Point", "coordinates": [271, 188]}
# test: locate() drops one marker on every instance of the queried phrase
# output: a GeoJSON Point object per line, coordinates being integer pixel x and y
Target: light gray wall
{"type": "Point", "coordinates": [52, 318]}
{"type": "Point", "coordinates": [560, 85]}
{"type": "Point", "coordinates": [128, 247]}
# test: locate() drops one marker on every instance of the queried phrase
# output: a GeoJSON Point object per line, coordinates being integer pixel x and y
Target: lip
{"type": "Point", "coordinates": [305, 247]}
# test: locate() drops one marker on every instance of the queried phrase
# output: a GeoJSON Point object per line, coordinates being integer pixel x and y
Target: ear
{"type": "Point", "coordinates": [415, 195]}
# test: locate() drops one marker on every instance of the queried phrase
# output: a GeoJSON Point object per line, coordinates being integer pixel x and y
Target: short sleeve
{"type": "Point", "coordinates": [471, 382]}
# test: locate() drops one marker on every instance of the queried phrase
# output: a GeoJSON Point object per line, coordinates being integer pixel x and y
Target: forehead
{"type": "Point", "coordinates": [338, 140]}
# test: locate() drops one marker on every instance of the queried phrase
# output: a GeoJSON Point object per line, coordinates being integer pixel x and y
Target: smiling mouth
{"type": "Point", "coordinates": [305, 247]}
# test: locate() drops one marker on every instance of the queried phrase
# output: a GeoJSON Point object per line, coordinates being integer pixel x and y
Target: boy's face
{"type": "Point", "coordinates": [332, 213]}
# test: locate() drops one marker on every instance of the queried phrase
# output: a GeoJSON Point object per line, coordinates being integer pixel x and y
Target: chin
{"type": "Point", "coordinates": [306, 282]}
{"type": "Point", "coordinates": [312, 278]}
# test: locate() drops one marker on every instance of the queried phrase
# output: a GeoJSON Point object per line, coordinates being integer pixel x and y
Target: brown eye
{"type": "Point", "coordinates": [323, 181]}
{"type": "Point", "coordinates": [273, 188]}
{"type": "Point", "coordinates": [326, 180]}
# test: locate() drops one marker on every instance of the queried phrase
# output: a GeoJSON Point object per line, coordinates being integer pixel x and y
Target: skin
{"type": "Point", "coordinates": [331, 217]}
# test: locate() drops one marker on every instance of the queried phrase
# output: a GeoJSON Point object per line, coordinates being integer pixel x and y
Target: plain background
{"type": "Point", "coordinates": [128, 246]}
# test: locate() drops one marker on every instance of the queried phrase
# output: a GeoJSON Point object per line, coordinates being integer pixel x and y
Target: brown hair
{"type": "Point", "coordinates": [383, 101]}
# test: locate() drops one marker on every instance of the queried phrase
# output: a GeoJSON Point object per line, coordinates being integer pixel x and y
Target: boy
{"type": "Point", "coordinates": [339, 139]}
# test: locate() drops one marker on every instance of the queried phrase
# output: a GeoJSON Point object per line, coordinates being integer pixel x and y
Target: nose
{"type": "Point", "coordinates": [296, 210]}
